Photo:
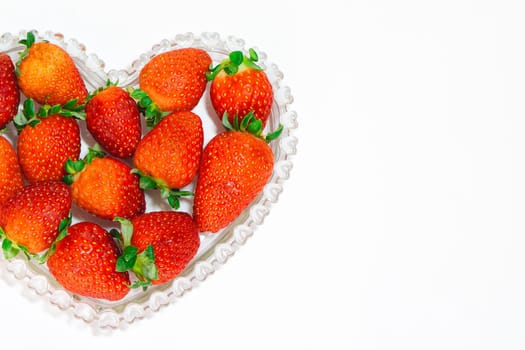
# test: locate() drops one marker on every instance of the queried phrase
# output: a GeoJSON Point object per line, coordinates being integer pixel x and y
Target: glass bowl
{"type": "Point", "coordinates": [215, 249]}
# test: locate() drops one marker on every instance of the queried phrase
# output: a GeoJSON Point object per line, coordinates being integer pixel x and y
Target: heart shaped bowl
{"type": "Point", "coordinates": [215, 249]}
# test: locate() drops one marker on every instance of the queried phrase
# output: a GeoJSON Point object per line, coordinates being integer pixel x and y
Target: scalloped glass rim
{"type": "Point", "coordinates": [215, 248]}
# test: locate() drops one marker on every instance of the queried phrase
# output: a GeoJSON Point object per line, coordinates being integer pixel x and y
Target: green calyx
{"type": "Point", "coordinates": [235, 60]}
{"type": "Point", "coordinates": [147, 107]}
{"type": "Point", "coordinates": [11, 249]}
{"type": "Point", "coordinates": [141, 264]}
{"type": "Point", "coordinates": [172, 195]}
{"type": "Point", "coordinates": [73, 167]}
{"type": "Point", "coordinates": [27, 42]}
{"type": "Point", "coordinates": [251, 125]}
{"type": "Point", "coordinates": [92, 94]}
{"type": "Point", "coordinates": [29, 116]}
{"type": "Point", "coordinates": [62, 233]}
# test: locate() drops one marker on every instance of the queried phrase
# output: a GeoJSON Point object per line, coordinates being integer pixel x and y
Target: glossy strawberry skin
{"type": "Point", "coordinates": [11, 178]}
{"type": "Point", "coordinates": [31, 216]}
{"type": "Point", "coordinates": [43, 149]}
{"type": "Point", "coordinates": [174, 238]}
{"type": "Point", "coordinates": [9, 92]}
{"type": "Point", "coordinates": [113, 118]}
{"type": "Point", "coordinates": [248, 90]}
{"type": "Point", "coordinates": [171, 151]}
{"type": "Point", "coordinates": [107, 189]}
{"type": "Point", "coordinates": [49, 75]}
{"type": "Point", "coordinates": [84, 263]}
{"type": "Point", "coordinates": [176, 80]}
{"type": "Point", "coordinates": [235, 166]}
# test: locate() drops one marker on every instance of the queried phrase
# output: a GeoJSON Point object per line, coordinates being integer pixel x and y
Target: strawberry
{"type": "Point", "coordinates": [168, 156]}
{"type": "Point", "coordinates": [113, 118]}
{"type": "Point", "coordinates": [31, 218]}
{"type": "Point", "coordinates": [158, 246]}
{"type": "Point", "coordinates": [48, 74]}
{"type": "Point", "coordinates": [176, 80]}
{"type": "Point", "coordinates": [105, 186]}
{"type": "Point", "coordinates": [9, 93]}
{"type": "Point", "coordinates": [46, 141]}
{"type": "Point", "coordinates": [11, 179]}
{"type": "Point", "coordinates": [235, 166]}
{"type": "Point", "coordinates": [84, 262]}
{"type": "Point", "coordinates": [240, 86]}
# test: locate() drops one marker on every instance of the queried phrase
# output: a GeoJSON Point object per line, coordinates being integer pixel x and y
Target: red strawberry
{"type": "Point", "coordinates": [240, 86]}
{"type": "Point", "coordinates": [168, 156]}
{"type": "Point", "coordinates": [11, 179]}
{"type": "Point", "coordinates": [9, 93]}
{"type": "Point", "coordinates": [105, 187]}
{"type": "Point", "coordinates": [46, 142]}
{"type": "Point", "coordinates": [176, 80]}
{"type": "Point", "coordinates": [84, 263]}
{"type": "Point", "coordinates": [158, 246]}
{"type": "Point", "coordinates": [30, 219]}
{"type": "Point", "coordinates": [235, 166]}
{"type": "Point", "coordinates": [113, 118]}
{"type": "Point", "coordinates": [47, 74]}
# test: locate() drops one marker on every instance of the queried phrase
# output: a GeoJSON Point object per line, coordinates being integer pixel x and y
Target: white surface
{"type": "Point", "coordinates": [402, 224]}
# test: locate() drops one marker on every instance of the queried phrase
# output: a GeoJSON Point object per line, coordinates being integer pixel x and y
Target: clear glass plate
{"type": "Point", "coordinates": [216, 248]}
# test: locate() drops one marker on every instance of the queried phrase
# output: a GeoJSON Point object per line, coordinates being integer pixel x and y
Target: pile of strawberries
{"type": "Point", "coordinates": [43, 177]}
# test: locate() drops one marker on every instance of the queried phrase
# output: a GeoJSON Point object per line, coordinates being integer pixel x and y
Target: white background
{"type": "Point", "coordinates": [402, 226]}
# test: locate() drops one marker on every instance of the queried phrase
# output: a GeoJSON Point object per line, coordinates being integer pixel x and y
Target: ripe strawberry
{"type": "Point", "coordinates": [168, 156]}
{"type": "Point", "coordinates": [84, 263]}
{"type": "Point", "coordinates": [31, 218]}
{"type": "Point", "coordinates": [47, 74]}
{"type": "Point", "coordinates": [11, 179]}
{"type": "Point", "coordinates": [113, 118]}
{"type": "Point", "coordinates": [176, 80]}
{"type": "Point", "coordinates": [235, 166]}
{"type": "Point", "coordinates": [46, 142]}
{"type": "Point", "coordinates": [9, 93]}
{"type": "Point", "coordinates": [240, 86]}
{"type": "Point", "coordinates": [105, 186]}
{"type": "Point", "coordinates": [158, 246]}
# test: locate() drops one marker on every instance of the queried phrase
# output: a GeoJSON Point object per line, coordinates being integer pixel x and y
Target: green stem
{"type": "Point", "coordinates": [141, 264]}
{"type": "Point", "coordinates": [235, 61]}
{"type": "Point", "coordinates": [250, 125]}
{"type": "Point", "coordinates": [147, 107]}
{"type": "Point", "coordinates": [27, 42]}
{"type": "Point", "coordinates": [172, 195]}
